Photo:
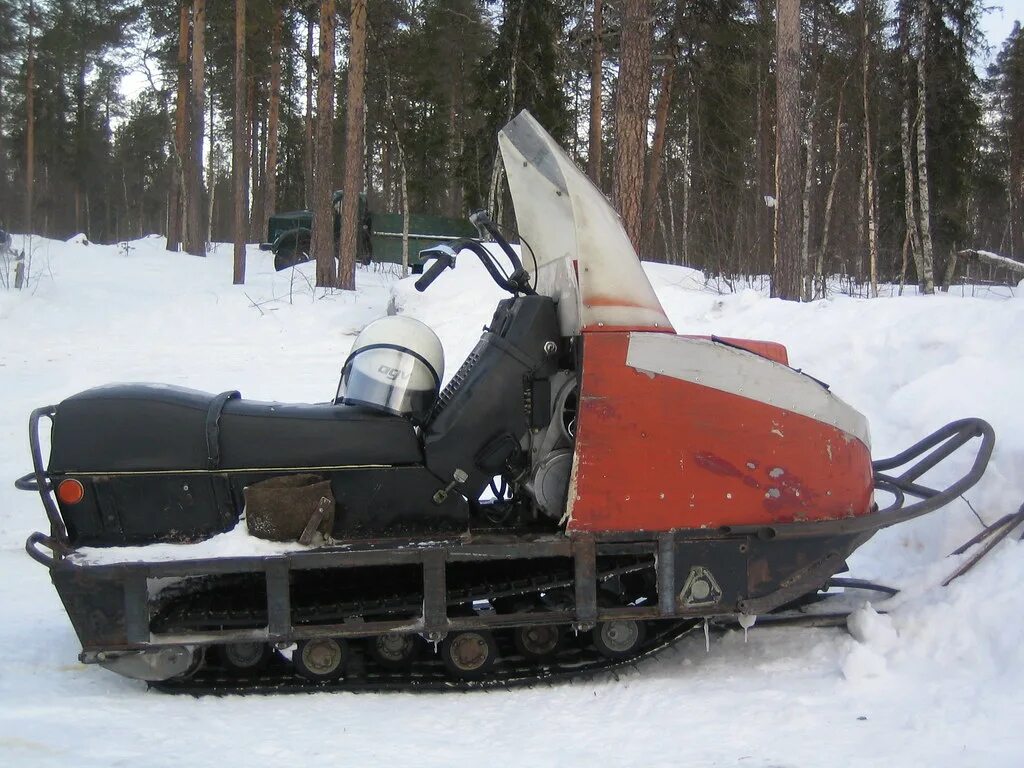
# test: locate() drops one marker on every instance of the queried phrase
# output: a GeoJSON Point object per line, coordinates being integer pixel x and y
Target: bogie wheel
{"type": "Point", "coordinates": [538, 641]}
{"type": "Point", "coordinates": [619, 639]}
{"type": "Point", "coordinates": [243, 659]}
{"type": "Point", "coordinates": [395, 651]}
{"type": "Point", "coordinates": [321, 658]}
{"type": "Point", "coordinates": [469, 654]}
{"type": "Point", "coordinates": [198, 662]}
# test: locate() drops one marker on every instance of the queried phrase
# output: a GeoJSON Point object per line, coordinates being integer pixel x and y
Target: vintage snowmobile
{"type": "Point", "coordinates": [588, 486]}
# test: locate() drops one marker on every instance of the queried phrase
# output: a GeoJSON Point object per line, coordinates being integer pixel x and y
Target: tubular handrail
{"type": "Point", "coordinates": [58, 549]}
{"type": "Point", "coordinates": [39, 480]}
{"type": "Point", "coordinates": [925, 455]}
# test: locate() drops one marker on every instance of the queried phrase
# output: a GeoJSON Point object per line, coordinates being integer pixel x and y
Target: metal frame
{"type": "Point", "coordinates": [434, 621]}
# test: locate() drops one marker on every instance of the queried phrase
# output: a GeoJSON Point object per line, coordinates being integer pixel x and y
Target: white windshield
{"type": "Point", "coordinates": [569, 227]}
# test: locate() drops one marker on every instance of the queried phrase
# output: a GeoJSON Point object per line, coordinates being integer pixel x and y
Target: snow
{"type": "Point", "coordinates": [997, 259]}
{"type": "Point", "coordinates": [935, 681]}
{"type": "Point", "coordinates": [234, 543]}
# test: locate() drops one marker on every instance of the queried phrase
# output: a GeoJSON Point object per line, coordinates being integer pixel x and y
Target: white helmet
{"type": "Point", "coordinates": [396, 366]}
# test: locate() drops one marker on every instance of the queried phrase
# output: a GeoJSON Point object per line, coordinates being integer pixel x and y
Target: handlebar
{"type": "Point", "coordinates": [515, 283]}
{"type": "Point", "coordinates": [483, 223]}
{"type": "Point", "coordinates": [445, 258]}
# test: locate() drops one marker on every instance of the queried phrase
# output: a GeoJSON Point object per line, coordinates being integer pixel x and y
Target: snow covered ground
{"type": "Point", "coordinates": [939, 681]}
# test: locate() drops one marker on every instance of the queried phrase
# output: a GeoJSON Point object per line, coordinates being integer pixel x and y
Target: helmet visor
{"type": "Point", "coordinates": [389, 378]}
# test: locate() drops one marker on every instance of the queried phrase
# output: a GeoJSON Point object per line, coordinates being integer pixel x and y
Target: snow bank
{"type": "Point", "coordinates": [934, 682]}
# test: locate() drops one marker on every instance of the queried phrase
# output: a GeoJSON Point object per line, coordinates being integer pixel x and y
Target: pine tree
{"type": "Point", "coordinates": [522, 71]}
{"type": "Point", "coordinates": [356, 105]}
{"type": "Point", "coordinates": [273, 111]}
{"type": "Point", "coordinates": [596, 95]}
{"type": "Point", "coordinates": [1006, 85]}
{"type": "Point", "coordinates": [195, 226]}
{"type": "Point", "coordinates": [632, 95]}
{"type": "Point", "coordinates": [786, 277]}
{"type": "Point", "coordinates": [322, 245]}
{"type": "Point", "coordinates": [240, 164]}
{"type": "Point", "coordinates": [30, 121]}
{"type": "Point", "coordinates": [656, 165]}
{"type": "Point", "coordinates": [176, 194]}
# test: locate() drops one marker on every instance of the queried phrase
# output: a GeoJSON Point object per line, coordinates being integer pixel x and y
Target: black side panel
{"type": "Point", "coordinates": [393, 502]}
{"type": "Point", "coordinates": [95, 604]}
{"type": "Point", "coordinates": [371, 502]}
{"type": "Point", "coordinates": [141, 509]}
{"type": "Point", "coordinates": [486, 399]}
{"type": "Point", "coordinates": [753, 575]}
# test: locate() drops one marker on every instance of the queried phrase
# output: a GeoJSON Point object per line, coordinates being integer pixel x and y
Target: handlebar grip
{"type": "Point", "coordinates": [441, 263]}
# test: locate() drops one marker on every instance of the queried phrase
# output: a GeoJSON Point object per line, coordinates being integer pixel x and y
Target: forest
{"type": "Point", "coordinates": [802, 139]}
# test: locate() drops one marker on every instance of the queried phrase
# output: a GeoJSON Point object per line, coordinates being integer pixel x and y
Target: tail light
{"type": "Point", "coordinates": [70, 491]}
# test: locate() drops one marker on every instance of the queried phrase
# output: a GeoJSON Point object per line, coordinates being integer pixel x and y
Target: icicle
{"type": "Point", "coordinates": [707, 637]}
{"type": "Point", "coordinates": [746, 621]}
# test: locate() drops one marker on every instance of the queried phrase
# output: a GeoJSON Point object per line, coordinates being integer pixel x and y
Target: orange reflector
{"type": "Point", "coordinates": [70, 491]}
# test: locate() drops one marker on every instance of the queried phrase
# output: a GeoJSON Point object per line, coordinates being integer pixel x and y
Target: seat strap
{"type": "Point", "coordinates": [213, 427]}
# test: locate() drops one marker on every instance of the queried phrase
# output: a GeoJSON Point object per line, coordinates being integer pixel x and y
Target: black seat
{"type": "Point", "coordinates": [140, 427]}
{"type": "Point", "coordinates": [258, 435]}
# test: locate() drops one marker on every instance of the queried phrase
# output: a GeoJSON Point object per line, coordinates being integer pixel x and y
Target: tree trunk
{"type": "Point", "coordinates": [30, 121]}
{"type": "Point", "coordinates": [211, 178]}
{"type": "Point", "coordinates": [786, 277]}
{"type": "Point", "coordinates": [673, 254]}
{"type": "Point", "coordinates": [810, 163]}
{"type": "Point", "coordinates": [596, 102]}
{"type": "Point", "coordinates": [656, 166]}
{"type": "Point", "coordinates": [195, 240]}
{"type": "Point", "coordinates": [455, 110]}
{"type": "Point", "coordinates": [631, 115]}
{"type": "Point", "coordinates": [393, 119]}
{"type": "Point", "coordinates": [240, 161]}
{"type": "Point", "coordinates": [80, 144]}
{"type": "Point", "coordinates": [869, 161]}
{"type": "Point", "coordinates": [686, 190]}
{"type": "Point", "coordinates": [175, 200]}
{"type": "Point", "coordinates": [926, 275]}
{"type": "Point", "coordinates": [819, 266]}
{"type": "Point", "coordinates": [862, 196]}
{"type": "Point", "coordinates": [763, 213]}
{"type": "Point", "coordinates": [307, 147]}
{"type": "Point", "coordinates": [495, 196]}
{"type": "Point", "coordinates": [912, 239]}
{"type": "Point", "coordinates": [810, 150]}
{"type": "Point", "coordinates": [252, 172]}
{"type": "Point", "coordinates": [354, 126]}
{"type": "Point", "coordinates": [405, 211]}
{"type": "Point", "coordinates": [322, 245]}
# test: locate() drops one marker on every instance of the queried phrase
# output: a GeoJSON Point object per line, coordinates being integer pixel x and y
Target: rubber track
{"type": "Point", "coordinates": [204, 608]}
{"type": "Point", "coordinates": [428, 677]}
{"type": "Point", "coordinates": [513, 671]}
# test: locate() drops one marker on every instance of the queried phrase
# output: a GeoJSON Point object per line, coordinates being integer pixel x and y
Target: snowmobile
{"type": "Point", "coordinates": [587, 487]}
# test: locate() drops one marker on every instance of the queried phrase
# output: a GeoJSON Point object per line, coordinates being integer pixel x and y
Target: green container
{"type": "Point", "coordinates": [288, 234]}
{"type": "Point", "coordinates": [424, 231]}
